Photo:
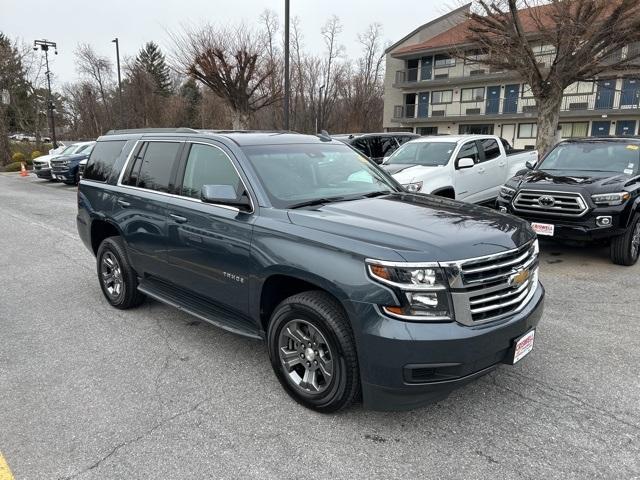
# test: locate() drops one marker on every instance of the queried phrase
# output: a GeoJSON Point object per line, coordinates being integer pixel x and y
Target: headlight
{"type": "Point", "coordinates": [424, 294]}
{"type": "Point", "coordinates": [610, 199]}
{"type": "Point", "coordinates": [413, 187]}
{"type": "Point", "coordinates": [507, 192]}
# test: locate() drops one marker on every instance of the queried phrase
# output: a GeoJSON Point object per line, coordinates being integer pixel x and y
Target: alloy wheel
{"type": "Point", "coordinates": [306, 357]}
{"type": "Point", "coordinates": [111, 275]}
{"type": "Point", "coordinates": [635, 241]}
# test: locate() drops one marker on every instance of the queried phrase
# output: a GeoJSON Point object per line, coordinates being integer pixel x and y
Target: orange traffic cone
{"type": "Point", "coordinates": [23, 171]}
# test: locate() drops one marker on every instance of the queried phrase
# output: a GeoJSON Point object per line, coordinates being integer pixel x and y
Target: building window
{"type": "Point", "coordinates": [444, 60]}
{"type": "Point", "coordinates": [472, 94]}
{"type": "Point", "coordinates": [474, 56]}
{"type": "Point", "coordinates": [526, 91]}
{"type": "Point", "coordinates": [427, 130]}
{"type": "Point", "coordinates": [579, 88]}
{"type": "Point", "coordinates": [477, 129]}
{"type": "Point", "coordinates": [441, 96]}
{"type": "Point", "coordinates": [575, 129]}
{"type": "Point", "coordinates": [528, 130]}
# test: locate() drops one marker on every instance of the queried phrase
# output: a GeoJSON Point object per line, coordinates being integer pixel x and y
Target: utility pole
{"type": "Point", "coordinates": [115, 40]}
{"type": "Point", "coordinates": [319, 113]}
{"type": "Point", "coordinates": [287, 88]}
{"type": "Point", "coordinates": [44, 46]}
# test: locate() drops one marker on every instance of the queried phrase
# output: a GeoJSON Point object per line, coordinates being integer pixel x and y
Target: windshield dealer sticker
{"type": "Point", "coordinates": [628, 171]}
{"type": "Point", "coordinates": [633, 147]}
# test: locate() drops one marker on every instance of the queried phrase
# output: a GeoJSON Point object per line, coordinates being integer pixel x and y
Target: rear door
{"type": "Point", "coordinates": [141, 207]}
{"type": "Point", "coordinates": [209, 245]}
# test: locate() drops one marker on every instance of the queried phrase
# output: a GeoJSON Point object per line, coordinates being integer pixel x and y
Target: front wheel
{"type": "Point", "coordinates": [313, 352]}
{"type": "Point", "coordinates": [625, 249]}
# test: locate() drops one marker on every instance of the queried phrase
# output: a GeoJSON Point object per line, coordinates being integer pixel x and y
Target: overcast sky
{"type": "Point", "coordinates": [69, 22]}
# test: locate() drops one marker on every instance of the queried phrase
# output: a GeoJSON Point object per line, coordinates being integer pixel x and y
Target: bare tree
{"type": "Point", "coordinates": [589, 37]}
{"type": "Point", "coordinates": [99, 71]}
{"type": "Point", "coordinates": [332, 70]}
{"type": "Point", "coordinates": [230, 62]}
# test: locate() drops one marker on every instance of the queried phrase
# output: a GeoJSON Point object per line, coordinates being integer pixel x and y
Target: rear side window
{"type": "Point", "coordinates": [491, 149]}
{"type": "Point", "coordinates": [153, 166]}
{"type": "Point", "coordinates": [207, 165]}
{"type": "Point", "coordinates": [102, 159]}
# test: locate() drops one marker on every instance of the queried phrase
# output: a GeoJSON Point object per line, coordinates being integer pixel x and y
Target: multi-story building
{"type": "Point", "coordinates": [430, 90]}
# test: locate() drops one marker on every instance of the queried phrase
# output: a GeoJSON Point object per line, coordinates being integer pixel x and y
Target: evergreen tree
{"type": "Point", "coordinates": [152, 60]}
{"type": "Point", "coordinates": [192, 96]}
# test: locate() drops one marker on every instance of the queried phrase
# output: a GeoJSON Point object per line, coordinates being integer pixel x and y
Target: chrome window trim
{"type": "Point", "coordinates": [184, 197]}
{"type": "Point", "coordinates": [577, 195]}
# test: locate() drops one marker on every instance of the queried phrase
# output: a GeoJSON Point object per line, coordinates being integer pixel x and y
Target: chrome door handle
{"type": "Point", "coordinates": [124, 204]}
{"type": "Point", "coordinates": [481, 170]}
{"type": "Point", "coordinates": [178, 218]}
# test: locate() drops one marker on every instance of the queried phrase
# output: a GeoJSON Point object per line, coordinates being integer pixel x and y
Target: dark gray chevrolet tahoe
{"type": "Point", "coordinates": [359, 288]}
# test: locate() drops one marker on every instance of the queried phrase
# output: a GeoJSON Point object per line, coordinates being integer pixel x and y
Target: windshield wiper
{"type": "Point", "coordinates": [316, 201]}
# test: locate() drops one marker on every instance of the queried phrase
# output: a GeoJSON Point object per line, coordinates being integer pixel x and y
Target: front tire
{"type": "Point", "coordinates": [313, 352]}
{"type": "Point", "coordinates": [625, 249]}
{"type": "Point", "coordinates": [118, 281]}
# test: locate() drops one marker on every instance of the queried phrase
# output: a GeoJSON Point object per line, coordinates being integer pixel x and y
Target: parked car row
{"type": "Point", "coordinates": [23, 137]}
{"type": "Point", "coordinates": [63, 164]}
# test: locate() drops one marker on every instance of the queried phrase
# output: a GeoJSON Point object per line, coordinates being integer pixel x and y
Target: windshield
{"type": "Point", "coordinates": [69, 150]}
{"type": "Point", "coordinates": [294, 174]}
{"type": "Point", "coordinates": [605, 156]}
{"type": "Point", "coordinates": [428, 154]}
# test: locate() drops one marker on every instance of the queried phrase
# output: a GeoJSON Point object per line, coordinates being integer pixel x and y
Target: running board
{"type": "Point", "coordinates": [198, 307]}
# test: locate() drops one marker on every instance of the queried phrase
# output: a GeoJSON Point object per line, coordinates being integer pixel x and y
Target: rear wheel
{"type": "Point", "coordinates": [313, 353]}
{"type": "Point", "coordinates": [118, 281]}
{"type": "Point", "coordinates": [625, 249]}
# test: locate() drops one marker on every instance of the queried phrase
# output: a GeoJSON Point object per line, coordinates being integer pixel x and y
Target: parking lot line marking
{"type": "Point", "coordinates": [5, 473]}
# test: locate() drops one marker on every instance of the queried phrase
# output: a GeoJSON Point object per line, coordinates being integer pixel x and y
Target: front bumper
{"type": "Point", "coordinates": [406, 365]}
{"type": "Point", "coordinates": [43, 172]}
{"type": "Point", "coordinates": [581, 229]}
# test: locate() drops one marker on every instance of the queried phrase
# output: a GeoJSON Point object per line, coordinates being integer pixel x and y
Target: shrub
{"type": "Point", "coordinates": [13, 167]}
{"type": "Point", "coordinates": [35, 154]}
{"type": "Point", "coordinates": [18, 157]}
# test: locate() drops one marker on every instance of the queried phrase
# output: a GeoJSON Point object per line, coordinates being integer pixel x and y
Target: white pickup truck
{"type": "Point", "coordinates": [465, 167]}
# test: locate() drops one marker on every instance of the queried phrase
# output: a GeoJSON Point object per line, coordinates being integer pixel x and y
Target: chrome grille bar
{"type": "Point", "coordinates": [568, 204]}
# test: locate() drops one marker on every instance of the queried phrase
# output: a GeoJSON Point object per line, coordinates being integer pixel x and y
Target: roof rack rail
{"type": "Point", "coordinates": [152, 130]}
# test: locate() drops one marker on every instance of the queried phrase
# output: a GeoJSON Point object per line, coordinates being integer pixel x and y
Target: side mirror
{"type": "Point", "coordinates": [530, 165]}
{"type": "Point", "coordinates": [465, 162]}
{"type": "Point", "coordinates": [225, 195]}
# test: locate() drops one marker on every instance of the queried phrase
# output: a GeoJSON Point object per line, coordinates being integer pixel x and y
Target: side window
{"type": "Point", "coordinates": [133, 168]}
{"type": "Point", "coordinates": [469, 150]}
{"type": "Point", "coordinates": [375, 147]}
{"type": "Point", "coordinates": [491, 149]}
{"type": "Point", "coordinates": [506, 145]}
{"type": "Point", "coordinates": [389, 145]}
{"type": "Point", "coordinates": [362, 145]}
{"type": "Point", "coordinates": [157, 165]}
{"type": "Point", "coordinates": [208, 165]}
{"type": "Point", "coordinates": [102, 159]}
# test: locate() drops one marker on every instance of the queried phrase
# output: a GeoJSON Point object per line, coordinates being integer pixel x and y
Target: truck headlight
{"type": "Point", "coordinates": [413, 187]}
{"type": "Point", "coordinates": [423, 290]}
{"type": "Point", "coordinates": [507, 192]}
{"type": "Point", "coordinates": [610, 199]}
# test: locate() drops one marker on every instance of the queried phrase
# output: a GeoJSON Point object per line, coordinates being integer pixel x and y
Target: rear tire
{"type": "Point", "coordinates": [625, 249]}
{"type": "Point", "coordinates": [118, 281]}
{"type": "Point", "coordinates": [313, 351]}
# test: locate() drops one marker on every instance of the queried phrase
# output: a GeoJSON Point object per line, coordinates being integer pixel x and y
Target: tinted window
{"type": "Point", "coordinates": [102, 159]}
{"type": "Point", "coordinates": [491, 149]}
{"type": "Point", "coordinates": [157, 165]}
{"type": "Point", "coordinates": [207, 165]}
{"type": "Point", "coordinates": [388, 145]}
{"type": "Point", "coordinates": [133, 169]}
{"type": "Point", "coordinates": [469, 150]}
{"type": "Point", "coordinates": [362, 145]}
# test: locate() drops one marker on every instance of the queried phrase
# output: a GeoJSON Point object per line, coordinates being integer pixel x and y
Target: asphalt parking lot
{"type": "Point", "coordinates": [90, 392]}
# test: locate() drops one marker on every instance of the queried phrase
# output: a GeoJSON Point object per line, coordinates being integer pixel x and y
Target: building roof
{"type": "Point", "coordinates": [459, 34]}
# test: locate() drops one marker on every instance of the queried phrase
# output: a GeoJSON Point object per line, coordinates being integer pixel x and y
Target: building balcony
{"type": "Point", "coordinates": [606, 102]}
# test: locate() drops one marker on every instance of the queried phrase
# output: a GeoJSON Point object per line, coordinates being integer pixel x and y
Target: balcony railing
{"type": "Point", "coordinates": [602, 100]}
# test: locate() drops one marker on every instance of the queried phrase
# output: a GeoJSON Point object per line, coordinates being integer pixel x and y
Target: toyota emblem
{"type": "Point", "coordinates": [546, 201]}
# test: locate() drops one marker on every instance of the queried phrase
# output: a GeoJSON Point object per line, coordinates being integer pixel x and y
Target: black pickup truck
{"type": "Point", "coordinates": [583, 190]}
{"type": "Point", "coordinates": [358, 287]}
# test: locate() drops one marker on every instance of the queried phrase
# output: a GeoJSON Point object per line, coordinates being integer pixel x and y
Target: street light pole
{"type": "Point", "coordinates": [319, 114]}
{"type": "Point", "coordinates": [44, 46]}
{"type": "Point", "coordinates": [287, 88]}
{"type": "Point", "coordinates": [115, 40]}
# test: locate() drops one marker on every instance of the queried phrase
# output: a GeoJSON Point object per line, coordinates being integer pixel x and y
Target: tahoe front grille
{"type": "Point", "coordinates": [565, 204]}
{"type": "Point", "coordinates": [492, 287]}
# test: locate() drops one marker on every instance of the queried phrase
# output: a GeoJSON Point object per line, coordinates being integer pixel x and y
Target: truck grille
{"type": "Point", "coordinates": [492, 287]}
{"type": "Point", "coordinates": [59, 166]}
{"type": "Point", "coordinates": [566, 204]}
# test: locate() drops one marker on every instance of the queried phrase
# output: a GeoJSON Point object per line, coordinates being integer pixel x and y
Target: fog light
{"type": "Point", "coordinates": [502, 209]}
{"type": "Point", "coordinates": [604, 221]}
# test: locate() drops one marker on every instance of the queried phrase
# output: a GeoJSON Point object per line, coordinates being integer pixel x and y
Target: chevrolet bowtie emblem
{"type": "Point", "coordinates": [519, 278]}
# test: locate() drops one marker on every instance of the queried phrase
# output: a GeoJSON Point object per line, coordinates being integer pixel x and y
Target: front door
{"type": "Point", "coordinates": [426, 68]}
{"type": "Point", "coordinates": [630, 96]}
{"type": "Point", "coordinates": [423, 104]}
{"type": "Point", "coordinates": [600, 129]}
{"type": "Point", "coordinates": [508, 132]}
{"type": "Point", "coordinates": [493, 100]}
{"type": "Point", "coordinates": [511, 94]}
{"type": "Point", "coordinates": [468, 181]}
{"type": "Point", "coordinates": [605, 94]}
{"type": "Point", "coordinates": [626, 127]}
{"type": "Point", "coordinates": [209, 245]}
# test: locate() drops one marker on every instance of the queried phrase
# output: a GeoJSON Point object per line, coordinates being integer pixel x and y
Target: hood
{"type": "Point", "coordinates": [592, 182]}
{"type": "Point", "coordinates": [76, 157]}
{"type": "Point", "coordinates": [420, 228]}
